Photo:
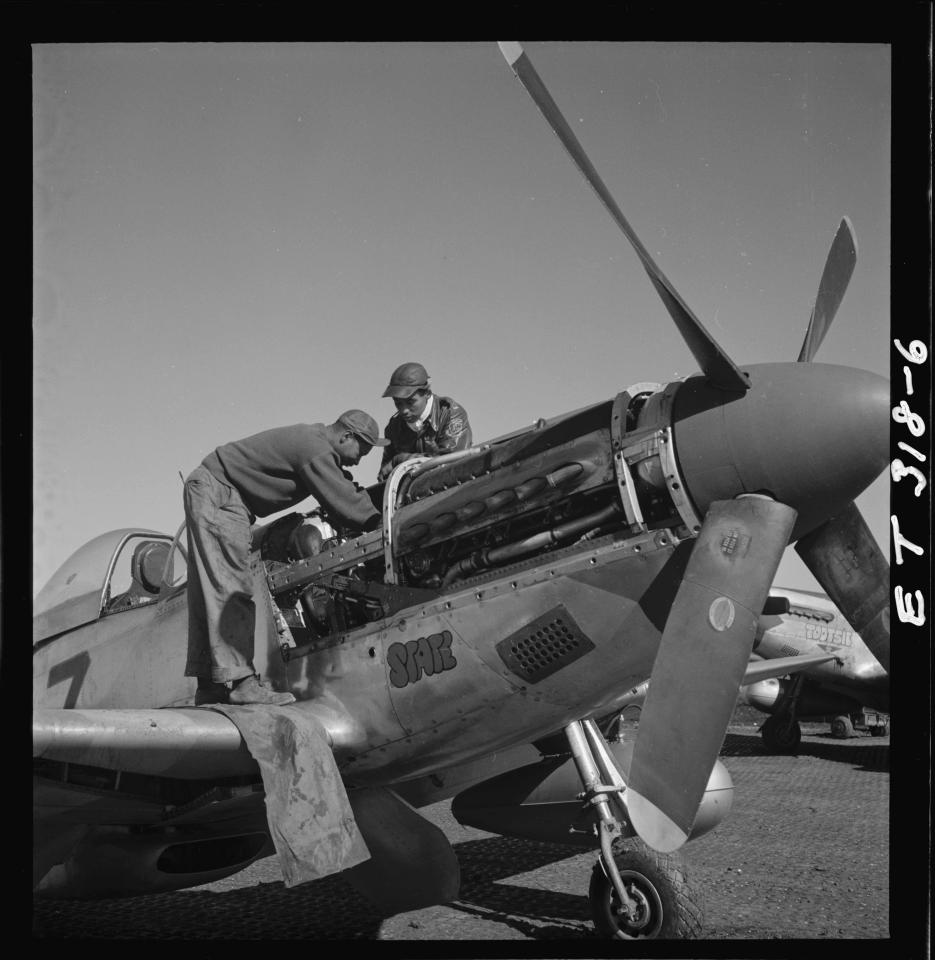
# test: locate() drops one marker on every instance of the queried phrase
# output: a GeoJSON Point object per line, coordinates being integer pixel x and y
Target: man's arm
{"type": "Point", "coordinates": [386, 463]}
{"type": "Point", "coordinates": [339, 496]}
{"type": "Point", "coordinates": [391, 455]}
{"type": "Point", "coordinates": [387, 467]}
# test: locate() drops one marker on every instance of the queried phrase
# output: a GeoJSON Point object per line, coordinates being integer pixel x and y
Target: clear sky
{"type": "Point", "coordinates": [231, 237]}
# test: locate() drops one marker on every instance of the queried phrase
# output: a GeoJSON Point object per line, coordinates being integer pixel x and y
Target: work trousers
{"type": "Point", "coordinates": [221, 610]}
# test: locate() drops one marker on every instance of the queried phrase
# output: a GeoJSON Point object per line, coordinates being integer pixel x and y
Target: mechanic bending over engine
{"type": "Point", "coordinates": [424, 424]}
{"type": "Point", "coordinates": [236, 483]}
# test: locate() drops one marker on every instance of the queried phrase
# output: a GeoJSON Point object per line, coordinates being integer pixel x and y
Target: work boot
{"type": "Point", "coordinates": [210, 692]}
{"type": "Point", "coordinates": [253, 690]}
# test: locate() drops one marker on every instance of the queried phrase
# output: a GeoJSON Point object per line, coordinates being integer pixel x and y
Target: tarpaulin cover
{"type": "Point", "coordinates": [310, 818]}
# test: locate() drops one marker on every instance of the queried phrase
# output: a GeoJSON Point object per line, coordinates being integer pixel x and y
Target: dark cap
{"type": "Point", "coordinates": [363, 426]}
{"type": "Point", "coordinates": [406, 379]}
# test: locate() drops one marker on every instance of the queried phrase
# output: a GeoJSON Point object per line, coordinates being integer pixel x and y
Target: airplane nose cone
{"type": "Point", "coordinates": [812, 435]}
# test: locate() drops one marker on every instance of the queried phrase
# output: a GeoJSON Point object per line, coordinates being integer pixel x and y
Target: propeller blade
{"type": "Point", "coordinates": [711, 358]}
{"type": "Point", "coordinates": [846, 560]}
{"type": "Point", "coordinates": [701, 662]}
{"type": "Point", "coordinates": [834, 280]}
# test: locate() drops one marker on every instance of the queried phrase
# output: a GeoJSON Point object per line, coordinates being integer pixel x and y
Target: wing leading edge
{"type": "Point", "coordinates": [388, 850]}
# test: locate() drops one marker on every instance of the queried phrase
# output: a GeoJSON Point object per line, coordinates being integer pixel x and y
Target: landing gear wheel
{"type": "Point", "coordinates": [781, 735]}
{"type": "Point", "coordinates": [842, 728]}
{"type": "Point", "coordinates": [667, 907]}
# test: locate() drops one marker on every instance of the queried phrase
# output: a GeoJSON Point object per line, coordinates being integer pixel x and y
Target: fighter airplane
{"type": "Point", "coordinates": [835, 675]}
{"type": "Point", "coordinates": [512, 595]}
{"type": "Point", "coordinates": [800, 622]}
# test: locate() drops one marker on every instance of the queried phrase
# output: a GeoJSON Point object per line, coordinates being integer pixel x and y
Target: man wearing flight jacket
{"type": "Point", "coordinates": [236, 483]}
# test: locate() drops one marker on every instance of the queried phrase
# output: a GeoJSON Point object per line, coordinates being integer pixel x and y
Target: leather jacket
{"type": "Point", "coordinates": [446, 430]}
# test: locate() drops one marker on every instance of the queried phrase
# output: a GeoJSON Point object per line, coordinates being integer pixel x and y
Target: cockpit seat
{"type": "Point", "coordinates": [146, 568]}
{"type": "Point", "coordinates": [148, 564]}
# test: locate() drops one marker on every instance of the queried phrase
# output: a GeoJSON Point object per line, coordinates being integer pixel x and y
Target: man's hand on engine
{"type": "Point", "coordinates": [387, 467]}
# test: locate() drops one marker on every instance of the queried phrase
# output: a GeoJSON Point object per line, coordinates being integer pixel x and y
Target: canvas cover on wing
{"type": "Point", "coordinates": [310, 819]}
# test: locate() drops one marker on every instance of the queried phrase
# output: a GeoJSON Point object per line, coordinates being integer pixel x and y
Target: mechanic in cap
{"type": "Point", "coordinates": [424, 424]}
{"type": "Point", "coordinates": [236, 483]}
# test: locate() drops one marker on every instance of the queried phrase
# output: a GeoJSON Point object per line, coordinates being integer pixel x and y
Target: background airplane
{"type": "Point", "coordinates": [839, 679]}
{"type": "Point", "coordinates": [511, 595]}
{"type": "Point", "coordinates": [801, 623]}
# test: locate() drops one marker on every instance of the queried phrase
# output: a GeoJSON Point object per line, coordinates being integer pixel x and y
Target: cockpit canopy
{"type": "Point", "coordinates": [115, 571]}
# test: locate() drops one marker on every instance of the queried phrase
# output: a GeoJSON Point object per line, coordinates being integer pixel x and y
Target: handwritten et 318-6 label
{"type": "Point", "coordinates": [423, 657]}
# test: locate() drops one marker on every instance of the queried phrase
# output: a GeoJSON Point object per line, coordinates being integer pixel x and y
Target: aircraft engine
{"type": "Point", "coordinates": [541, 801]}
{"type": "Point", "coordinates": [507, 502]}
{"type": "Point", "coordinates": [531, 493]}
{"type": "Point", "coordinates": [463, 517]}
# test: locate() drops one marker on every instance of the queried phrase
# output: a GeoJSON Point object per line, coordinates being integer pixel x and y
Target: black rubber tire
{"type": "Point", "coordinates": [672, 907]}
{"type": "Point", "coordinates": [781, 736]}
{"type": "Point", "coordinates": [842, 728]}
{"type": "Point", "coordinates": [880, 731]}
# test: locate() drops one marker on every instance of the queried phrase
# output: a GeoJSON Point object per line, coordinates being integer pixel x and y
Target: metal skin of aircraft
{"type": "Point", "coordinates": [836, 674]}
{"type": "Point", "coordinates": [471, 646]}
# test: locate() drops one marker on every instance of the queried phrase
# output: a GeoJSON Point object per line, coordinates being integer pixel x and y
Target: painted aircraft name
{"type": "Point", "coordinates": [417, 658]}
{"type": "Point", "coordinates": [819, 633]}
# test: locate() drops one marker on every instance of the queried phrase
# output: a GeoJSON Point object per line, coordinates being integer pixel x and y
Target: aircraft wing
{"type": "Point", "coordinates": [288, 746]}
{"type": "Point", "coordinates": [781, 667]}
{"type": "Point", "coordinates": [757, 669]}
{"type": "Point", "coordinates": [201, 766]}
{"type": "Point", "coordinates": [188, 743]}
{"type": "Point", "coordinates": [100, 769]}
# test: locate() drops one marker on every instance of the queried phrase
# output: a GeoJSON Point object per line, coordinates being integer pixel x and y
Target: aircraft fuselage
{"type": "Point", "coordinates": [498, 662]}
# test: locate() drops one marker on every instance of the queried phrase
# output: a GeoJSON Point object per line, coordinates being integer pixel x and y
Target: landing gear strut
{"type": "Point", "coordinates": [635, 892]}
{"type": "Point", "coordinates": [781, 732]}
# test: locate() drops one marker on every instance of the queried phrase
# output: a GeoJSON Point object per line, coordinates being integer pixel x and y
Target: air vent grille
{"type": "Point", "coordinates": [544, 646]}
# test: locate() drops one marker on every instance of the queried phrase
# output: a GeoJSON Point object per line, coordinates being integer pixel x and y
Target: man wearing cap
{"type": "Point", "coordinates": [236, 483]}
{"type": "Point", "coordinates": [424, 424]}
